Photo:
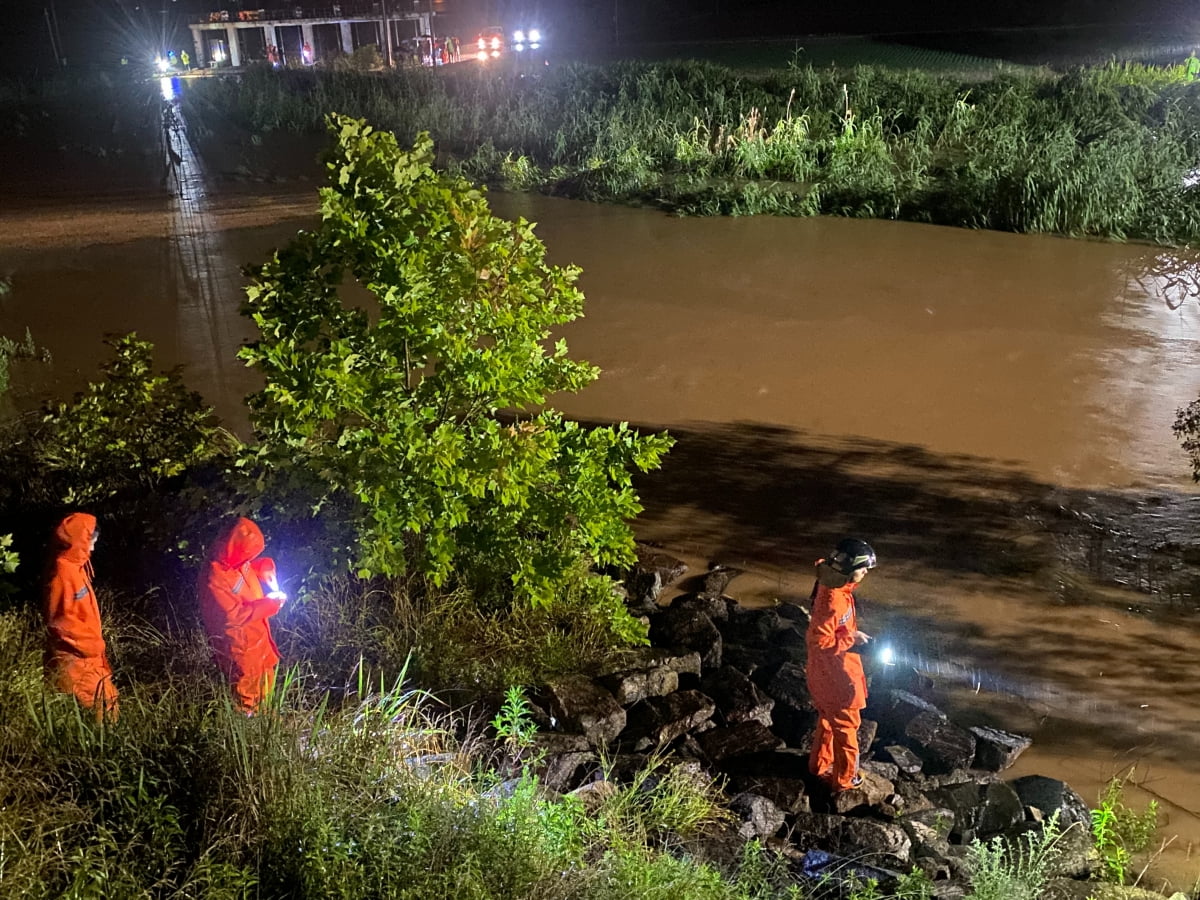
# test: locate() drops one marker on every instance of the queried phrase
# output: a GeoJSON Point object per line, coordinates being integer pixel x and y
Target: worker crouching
{"type": "Point", "coordinates": [76, 659]}
{"type": "Point", "coordinates": [239, 592]}
{"type": "Point", "coordinates": [836, 679]}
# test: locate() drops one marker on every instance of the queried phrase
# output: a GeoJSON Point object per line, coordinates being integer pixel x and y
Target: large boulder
{"type": "Point", "coordinates": [942, 745]}
{"type": "Point", "coordinates": [717, 580]}
{"type": "Point", "coordinates": [758, 817]}
{"type": "Point", "coordinates": [584, 707]}
{"type": "Point", "coordinates": [657, 721]}
{"type": "Point", "coordinates": [649, 673]}
{"type": "Point", "coordinates": [872, 791]}
{"type": "Point", "coordinates": [980, 810]}
{"type": "Point", "coordinates": [753, 626]}
{"type": "Point", "coordinates": [688, 630]}
{"type": "Point", "coordinates": [746, 739]}
{"type": "Point", "coordinates": [789, 794]}
{"type": "Point", "coordinates": [567, 771]}
{"type": "Point", "coordinates": [996, 750]}
{"type": "Point", "coordinates": [1054, 799]}
{"type": "Point", "coordinates": [738, 699]}
{"type": "Point", "coordinates": [793, 716]}
{"type": "Point", "coordinates": [869, 841]}
{"type": "Point", "coordinates": [652, 572]}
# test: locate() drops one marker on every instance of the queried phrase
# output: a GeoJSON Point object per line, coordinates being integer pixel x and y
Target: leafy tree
{"type": "Point", "coordinates": [405, 346]}
{"type": "Point", "coordinates": [127, 434]}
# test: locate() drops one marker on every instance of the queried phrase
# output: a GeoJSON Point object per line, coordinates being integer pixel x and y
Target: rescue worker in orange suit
{"type": "Point", "coordinates": [239, 592]}
{"type": "Point", "coordinates": [75, 660]}
{"type": "Point", "coordinates": [835, 672]}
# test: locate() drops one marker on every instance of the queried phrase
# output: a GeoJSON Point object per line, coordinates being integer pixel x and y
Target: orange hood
{"type": "Point", "coordinates": [239, 544]}
{"type": "Point", "coordinates": [73, 537]}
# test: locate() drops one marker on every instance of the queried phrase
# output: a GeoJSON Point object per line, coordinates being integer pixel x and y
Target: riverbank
{"type": "Point", "coordinates": [1102, 152]}
{"type": "Point", "coordinates": [686, 349]}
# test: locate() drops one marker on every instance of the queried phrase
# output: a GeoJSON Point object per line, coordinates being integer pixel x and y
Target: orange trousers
{"type": "Point", "coordinates": [89, 678]}
{"type": "Point", "coordinates": [834, 756]}
{"type": "Point", "coordinates": [251, 688]}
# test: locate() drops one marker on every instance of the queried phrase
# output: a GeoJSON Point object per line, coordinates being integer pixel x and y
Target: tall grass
{"type": "Point", "coordinates": [374, 795]}
{"type": "Point", "coordinates": [1097, 152]}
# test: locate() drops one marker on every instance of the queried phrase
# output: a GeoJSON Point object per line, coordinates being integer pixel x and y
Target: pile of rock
{"type": "Point", "coordinates": [723, 690]}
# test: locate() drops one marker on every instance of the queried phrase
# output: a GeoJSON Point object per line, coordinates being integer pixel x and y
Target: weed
{"type": "Point", "coordinates": [1118, 832]}
{"type": "Point", "coordinates": [1014, 869]}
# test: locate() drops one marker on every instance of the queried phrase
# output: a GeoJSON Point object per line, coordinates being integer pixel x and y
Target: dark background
{"type": "Point", "coordinates": [98, 32]}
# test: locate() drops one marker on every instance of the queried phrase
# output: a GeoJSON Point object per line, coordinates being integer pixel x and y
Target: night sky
{"type": "Point", "coordinates": [96, 31]}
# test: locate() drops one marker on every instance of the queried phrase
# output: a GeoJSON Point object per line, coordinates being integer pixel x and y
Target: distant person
{"type": "Point", "coordinates": [836, 679]}
{"type": "Point", "coordinates": [1191, 66]}
{"type": "Point", "coordinates": [306, 53]}
{"type": "Point", "coordinates": [76, 658]}
{"type": "Point", "coordinates": [186, 60]}
{"type": "Point", "coordinates": [239, 593]}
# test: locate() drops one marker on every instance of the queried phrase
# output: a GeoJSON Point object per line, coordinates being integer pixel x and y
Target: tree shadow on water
{"type": "Point", "coordinates": [783, 496]}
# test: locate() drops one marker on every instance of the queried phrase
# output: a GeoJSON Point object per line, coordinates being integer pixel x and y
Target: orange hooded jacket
{"type": "Point", "coordinates": [75, 660]}
{"type": "Point", "coordinates": [835, 676]}
{"type": "Point", "coordinates": [235, 609]}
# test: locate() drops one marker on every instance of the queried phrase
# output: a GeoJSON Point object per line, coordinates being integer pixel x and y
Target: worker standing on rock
{"type": "Point", "coordinates": [836, 679]}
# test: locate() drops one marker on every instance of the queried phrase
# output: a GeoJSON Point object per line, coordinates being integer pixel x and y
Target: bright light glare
{"type": "Point", "coordinates": [482, 43]}
{"type": "Point", "coordinates": [482, 55]}
{"type": "Point", "coordinates": [518, 47]}
{"type": "Point", "coordinates": [169, 88]}
{"type": "Point", "coordinates": [519, 37]}
{"type": "Point", "coordinates": [495, 53]}
{"type": "Point", "coordinates": [887, 655]}
{"type": "Point", "coordinates": [160, 64]}
{"type": "Point", "coordinates": [495, 43]}
{"type": "Point", "coordinates": [534, 46]}
{"type": "Point", "coordinates": [219, 55]}
{"type": "Point", "coordinates": [534, 36]}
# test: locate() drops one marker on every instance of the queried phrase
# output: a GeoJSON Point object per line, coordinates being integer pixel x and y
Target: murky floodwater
{"type": "Point", "coordinates": [992, 411]}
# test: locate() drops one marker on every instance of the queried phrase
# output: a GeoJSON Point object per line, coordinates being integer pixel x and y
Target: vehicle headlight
{"type": "Point", "coordinates": [495, 43]}
{"type": "Point", "coordinates": [519, 37]}
{"type": "Point", "coordinates": [482, 44]}
{"type": "Point", "coordinates": [482, 55]}
{"type": "Point", "coordinates": [535, 36]}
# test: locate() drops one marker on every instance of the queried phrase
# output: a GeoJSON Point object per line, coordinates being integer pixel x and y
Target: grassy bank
{"type": "Point", "coordinates": [378, 794]}
{"type": "Point", "coordinates": [1095, 152]}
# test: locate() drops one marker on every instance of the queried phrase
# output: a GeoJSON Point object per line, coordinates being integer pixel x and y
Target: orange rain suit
{"type": "Point", "coordinates": [235, 608]}
{"type": "Point", "coordinates": [835, 679]}
{"type": "Point", "coordinates": [75, 659]}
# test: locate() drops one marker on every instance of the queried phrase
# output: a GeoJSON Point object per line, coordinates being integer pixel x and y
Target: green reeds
{"type": "Point", "coordinates": [1094, 152]}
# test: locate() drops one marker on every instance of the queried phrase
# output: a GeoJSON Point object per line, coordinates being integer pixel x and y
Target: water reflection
{"type": "Point", "coordinates": [1172, 276]}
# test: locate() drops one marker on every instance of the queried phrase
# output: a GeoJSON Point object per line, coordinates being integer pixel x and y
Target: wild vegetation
{"type": "Point", "coordinates": [433, 538]}
{"type": "Point", "coordinates": [1102, 152]}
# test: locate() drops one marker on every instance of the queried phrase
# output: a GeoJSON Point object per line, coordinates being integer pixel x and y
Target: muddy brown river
{"type": "Point", "coordinates": [991, 411]}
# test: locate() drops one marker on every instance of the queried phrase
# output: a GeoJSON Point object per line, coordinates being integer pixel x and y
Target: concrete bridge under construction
{"type": "Point", "coordinates": [306, 34]}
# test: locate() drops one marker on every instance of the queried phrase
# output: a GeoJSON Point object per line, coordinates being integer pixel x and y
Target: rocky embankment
{"type": "Point", "coordinates": [722, 692]}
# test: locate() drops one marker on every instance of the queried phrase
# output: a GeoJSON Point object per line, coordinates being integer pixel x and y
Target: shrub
{"type": "Point", "coordinates": [1014, 869]}
{"type": "Point", "coordinates": [383, 407]}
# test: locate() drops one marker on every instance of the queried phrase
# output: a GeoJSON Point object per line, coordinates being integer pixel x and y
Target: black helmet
{"type": "Point", "coordinates": [851, 554]}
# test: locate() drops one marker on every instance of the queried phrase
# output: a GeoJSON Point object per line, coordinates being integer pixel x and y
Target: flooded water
{"type": "Point", "coordinates": [991, 411]}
